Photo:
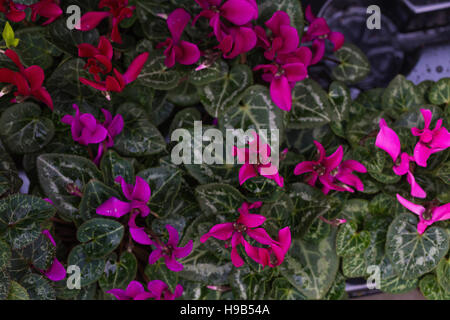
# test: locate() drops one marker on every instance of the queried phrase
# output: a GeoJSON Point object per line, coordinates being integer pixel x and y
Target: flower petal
{"type": "Point", "coordinates": [222, 231]}
{"type": "Point", "coordinates": [176, 22]}
{"type": "Point", "coordinates": [281, 93]}
{"type": "Point", "coordinates": [114, 208]}
{"type": "Point", "coordinates": [239, 12]}
{"type": "Point", "coordinates": [388, 140]}
{"type": "Point", "coordinates": [57, 272]}
{"type": "Point", "coordinates": [415, 208]}
{"type": "Point", "coordinates": [91, 20]}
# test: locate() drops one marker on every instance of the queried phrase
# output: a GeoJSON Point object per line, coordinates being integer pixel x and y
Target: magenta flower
{"type": "Point", "coordinates": [427, 216]}
{"type": "Point", "coordinates": [389, 141]}
{"type": "Point", "coordinates": [28, 81]}
{"type": "Point", "coordinates": [159, 290]}
{"type": "Point", "coordinates": [234, 32]}
{"type": "Point", "coordinates": [134, 291]}
{"type": "Point", "coordinates": [284, 38]}
{"type": "Point", "coordinates": [117, 82]}
{"type": "Point", "coordinates": [318, 31]}
{"type": "Point", "coordinates": [275, 254]}
{"type": "Point", "coordinates": [13, 11]}
{"type": "Point", "coordinates": [85, 128]}
{"type": "Point", "coordinates": [118, 10]}
{"type": "Point", "coordinates": [235, 232]}
{"type": "Point", "coordinates": [282, 79]}
{"type": "Point", "coordinates": [113, 126]}
{"type": "Point", "coordinates": [256, 162]}
{"type": "Point", "coordinates": [169, 251]}
{"type": "Point", "coordinates": [99, 59]}
{"type": "Point", "coordinates": [331, 171]}
{"type": "Point", "coordinates": [138, 197]}
{"type": "Point", "coordinates": [49, 9]}
{"type": "Point", "coordinates": [178, 50]}
{"type": "Point", "coordinates": [431, 141]}
{"type": "Point", "coordinates": [56, 272]}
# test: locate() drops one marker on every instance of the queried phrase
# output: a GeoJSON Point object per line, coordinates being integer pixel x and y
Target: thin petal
{"type": "Point", "coordinates": [173, 264]}
{"type": "Point", "coordinates": [333, 161]}
{"type": "Point", "coordinates": [416, 190]}
{"type": "Point", "coordinates": [114, 208]}
{"type": "Point", "coordinates": [135, 68]}
{"type": "Point", "coordinates": [176, 23]}
{"type": "Point", "coordinates": [182, 252]}
{"type": "Point", "coordinates": [154, 256]}
{"type": "Point", "coordinates": [239, 12]}
{"type": "Point", "coordinates": [281, 93]}
{"type": "Point", "coordinates": [260, 235]}
{"type": "Point", "coordinates": [91, 20]}
{"type": "Point", "coordinates": [251, 220]}
{"type": "Point", "coordinates": [57, 272]}
{"type": "Point", "coordinates": [222, 231]}
{"type": "Point", "coordinates": [388, 140]}
{"type": "Point", "coordinates": [421, 154]}
{"type": "Point", "coordinates": [417, 209]}
{"type": "Point", "coordinates": [173, 235]}
{"type": "Point", "coordinates": [141, 191]}
{"type": "Point", "coordinates": [246, 172]}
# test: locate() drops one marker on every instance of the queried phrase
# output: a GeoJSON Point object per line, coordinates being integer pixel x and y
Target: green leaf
{"type": "Point", "coordinates": [310, 106]}
{"type": "Point", "coordinates": [139, 136]}
{"type": "Point", "coordinates": [312, 268]}
{"type": "Point", "coordinates": [384, 204]}
{"type": "Point", "coordinates": [431, 289]}
{"type": "Point", "coordinates": [400, 97]}
{"type": "Point", "coordinates": [58, 172]}
{"type": "Point", "coordinates": [184, 95]}
{"type": "Point", "coordinates": [309, 204]}
{"type": "Point", "coordinates": [5, 284]}
{"type": "Point", "coordinates": [440, 92]}
{"type": "Point", "coordinates": [156, 75]}
{"type": "Point", "coordinates": [247, 285]}
{"type": "Point", "coordinates": [219, 199]}
{"type": "Point", "coordinates": [118, 274]}
{"type": "Point", "coordinates": [215, 72]}
{"type": "Point", "coordinates": [5, 255]}
{"type": "Point", "coordinates": [337, 291]}
{"type": "Point", "coordinates": [350, 241]}
{"type": "Point", "coordinates": [165, 183]}
{"type": "Point", "coordinates": [68, 40]}
{"type": "Point", "coordinates": [282, 289]}
{"type": "Point", "coordinates": [356, 210]}
{"type": "Point", "coordinates": [24, 130]}
{"type": "Point", "coordinates": [444, 172]}
{"type": "Point", "coordinates": [354, 266]}
{"type": "Point", "coordinates": [40, 253]}
{"type": "Point", "coordinates": [255, 111]}
{"type": "Point", "coordinates": [17, 292]}
{"type": "Point", "coordinates": [219, 96]}
{"type": "Point", "coordinates": [205, 269]}
{"type": "Point", "coordinates": [91, 269]}
{"type": "Point", "coordinates": [95, 193]}
{"type": "Point", "coordinates": [354, 66]}
{"type": "Point", "coordinates": [9, 37]}
{"type": "Point", "coordinates": [38, 287]}
{"type": "Point", "coordinates": [100, 236]}
{"type": "Point", "coordinates": [185, 119]}
{"type": "Point", "coordinates": [159, 271]}
{"type": "Point", "coordinates": [412, 254]}
{"type": "Point", "coordinates": [390, 282]}
{"type": "Point", "coordinates": [20, 218]}
{"type": "Point", "coordinates": [292, 7]}
{"type": "Point", "coordinates": [339, 96]}
{"type": "Point", "coordinates": [35, 49]}
{"type": "Point", "coordinates": [262, 189]}
{"type": "Point", "coordinates": [113, 166]}
{"type": "Point", "coordinates": [443, 274]}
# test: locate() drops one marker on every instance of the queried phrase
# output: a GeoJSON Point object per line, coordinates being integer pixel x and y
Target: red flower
{"type": "Point", "coordinates": [46, 8]}
{"type": "Point", "coordinates": [99, 58]}
{"type": "Point", "coordinates": [118, 81]}
{"type": "Point", "coordinates": [118, 11]}
{"type": "Point", "coordinates": [13, 11]}
{"type": "Point", "coordinates": [28, 81]}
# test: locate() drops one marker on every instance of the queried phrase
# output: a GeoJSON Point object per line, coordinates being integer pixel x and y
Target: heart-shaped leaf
{"type": "Point", "coordinates": [90, 269]}
{"type": "Point", "coordinates": [38, 287]}
{"type": "Point", "coordinates": [118, 274]}
{"type": "Point", "coordinates": [219, 199]}
{"type": "Point", "coordinates": [431, 289]}
{"type": "Point", "coordinates": [156, 75]}
{"type": "Point", "coordinates": [17, 292]}
{"type": "Point", "coordinates": [439, 93]}
{"type": "Point", "coordinates": [350, 241]}
{"type": "Point", "coordinates": [354, 65]}
{"type": "Point", "coordinates": [95, 193]}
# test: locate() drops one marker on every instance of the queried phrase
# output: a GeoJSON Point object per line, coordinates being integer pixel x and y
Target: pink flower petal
{"type": "Point", "coordinates": [114, 208]}
{"type": "Point", "coordinates": [190, 53]}
{"type": "Point", "coordinates": [260, 235]}
{"type": "Point", "coordinates": [318, 49]}
{"type": "Point", "coordinates": [295, 71]}
{"type": "Point", "coordinates": [239, 12]}
{"type": "Point", "coordinates": [91, 20]}
{"type": "Point", "coordinates": [57, 272]}
{"type": "Point", "coordinates": [176, 23]}
{"type": "Point", "coordinates": [154, 256]}
{"type": "Point", "coordinates": [337, 39]}
{"type": "Point", "coordinates": [135, 68]}
{"type": "Point", "coordinates": [281, 93]}
{"type": "Point", "coordinates": [222, 231]}
{"type": "Point", "coordinates": [442, 213]}
{"type": "Point", "coordinates": [416, 190]}
{"type": "Point", "coordinates": [134, 288]}
{"type": "Point", "coordinates": [246, 172]}
{"type": "Point", "coordinates": [421, 154]}
{"type": "Point", "coordinates": [403, 168]}
{"type": "Point", "coordinates": [141, 191]}
{"type": "Point", "coordinates": [251, 220]}
{"type": "Point", "coordinates": [173, 264]}
{"type": "Point", "coordinates": [417, 209]}
{"type": "Point", "coordinates": [388, 140]}
{"type": "Point", "coordinates": [333, 161]}
{"type": "Point", "coordinates": [182, 252]}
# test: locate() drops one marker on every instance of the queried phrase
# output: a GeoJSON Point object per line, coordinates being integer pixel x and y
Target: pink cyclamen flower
{"type": "Point", "coordinates": [138, 196]}
{"type": "Point", "coordinates": [318, 31]}
{"type": "Point", "coordinates": [235, 232]}
{"type": "Point", "coordinates": [331, 171]}
{"type": "Point", "coordinates": [56, 272]}
{"type": "Point", "coordinates": [389, 141]}
{"type": "Point", "coordinates": [134, 291]}
{"type": "Point", "coordinates": [427, 216]}
{"type": "Point", "coordinates": [275, 254]}
{"type": "Point", "coordinates": [85, 128]}
{"type": "Point", "coordinates": [28, 81]}
{"type": "Point", "coordinates": [118, 10]}
{"type": "Point", "coordinates": [282, 78]}
{"type": "Point", "coordinates": [13, 11]}
{"type": "Point", "coordinates": [99, 58]}
{"type": "Point", "coordinates": [178, 50]}
{"type": "Point", "coordinates": [284, 38]}
{"type": "Point", "coordinates": [431, 141]}
{"type": "Point", "coordinates": [49, 9]}
{"type": "Point", "coordinates": [169, 251]}
{"type": "Point", "coordinates": [256, 162]}
{"type": "Point", "coordinates": [238, 40]}
{"type": "Point", "coordinates": [117, 82]}
{"type": "Point", "coordinates": [159, 290]}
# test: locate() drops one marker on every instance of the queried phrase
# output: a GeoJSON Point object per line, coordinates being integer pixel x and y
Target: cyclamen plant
{"type": "Point", "coordinates": [88, 115]}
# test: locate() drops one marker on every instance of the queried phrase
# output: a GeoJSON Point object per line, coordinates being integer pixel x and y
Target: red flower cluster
{"type": "Point", "coordinates": [15, 12]}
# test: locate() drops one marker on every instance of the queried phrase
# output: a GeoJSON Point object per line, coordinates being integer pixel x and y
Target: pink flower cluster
{"type": "Point", "coordinates": [157, 290]}
{"type": "Point", "coordinates": [15, 12]}
{"type": "Point", "coordinates": [430, 142]}
{"type": "Point", "coordinates": [248, 224]}
{"type": "Point", "coordinates": [332, 172]}
{"type": "Point", "coordinates": [88, 130]}
{"type": "Point", "coordinates": [28, 81]}
{"type": "Point", "coordinates": [99, 64]}
{"type": "Point", "coordinates": [138, 196]}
